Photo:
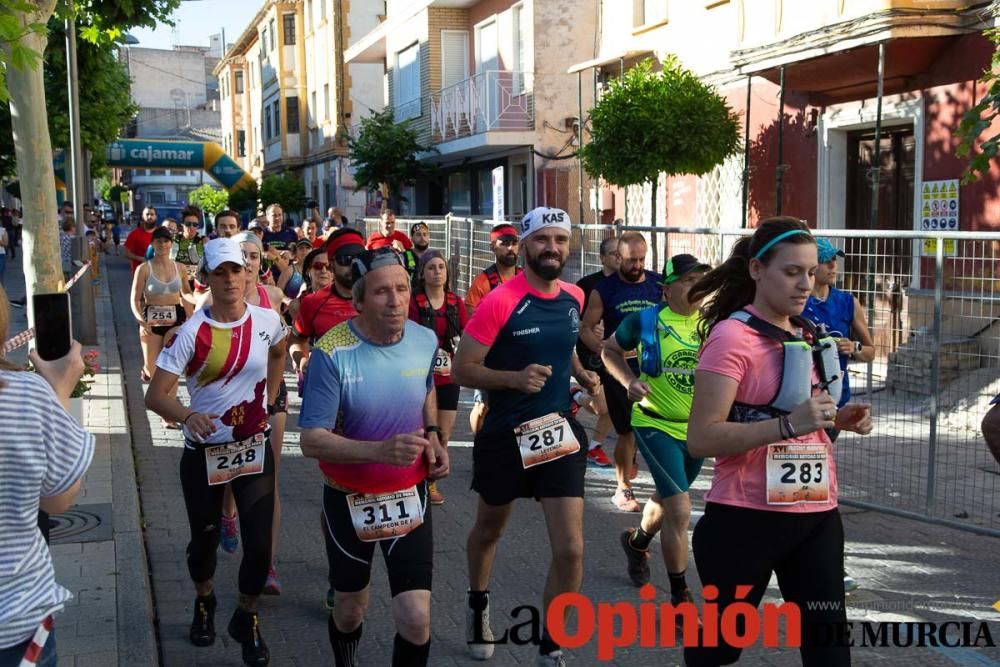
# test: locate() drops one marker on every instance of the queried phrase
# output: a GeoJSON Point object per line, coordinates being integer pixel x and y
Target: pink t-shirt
{"type": "Point", "coordinates": [736, 351]}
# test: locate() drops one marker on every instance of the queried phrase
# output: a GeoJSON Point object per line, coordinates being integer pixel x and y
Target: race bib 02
{"type": "Point", "coordinates": [385, 516]}
{"type": "Point", "coordinates": [235, 459]}
{"type": "Point", "coordinates": [442, 363]}
{"type": "Point", "coordinates": [161, 315]}
{"type": "Point", "coordinates": [545, 439]}
{"type": "Point", "coordinates": [797, 473]}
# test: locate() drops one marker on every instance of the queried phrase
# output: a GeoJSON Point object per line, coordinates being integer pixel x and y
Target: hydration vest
{"type": "Point", "coordinates": [815, 348]}
{"type": "Point", "coordinates": [410, 260]}
{"type": "Point", "coordinates": [651, 354]}
{"type": "Point", "coordinates": [428, 318]}
{"type": "Point", "coordinates": [493, 276]}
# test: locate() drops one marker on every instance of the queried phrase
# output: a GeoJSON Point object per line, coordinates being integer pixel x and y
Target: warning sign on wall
{"type": "Point", "coordinates": [939, 212]}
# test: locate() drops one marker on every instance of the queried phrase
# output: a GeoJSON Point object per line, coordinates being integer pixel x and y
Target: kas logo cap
{"type": "Point", "coordinates": [543, 217]}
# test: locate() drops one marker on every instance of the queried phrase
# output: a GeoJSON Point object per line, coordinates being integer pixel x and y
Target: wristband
{"type": "Point", "coordinates": [433, 429]}
{"type": "Point", "coordinates": [781, 430]}
{"type": "Point", "coordinates": [857, 347]}
{"type": "Point", "coordinates": [788, 426]}
{"type": "Point", "coordinates": [190, 414]}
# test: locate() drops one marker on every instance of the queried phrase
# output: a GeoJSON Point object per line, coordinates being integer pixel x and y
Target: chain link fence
{"type": "Point", "coordinates": [932, 303]}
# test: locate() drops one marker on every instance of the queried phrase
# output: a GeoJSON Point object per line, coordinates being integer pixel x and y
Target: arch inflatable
{"type": "Point", "coordinates": [207, 155]}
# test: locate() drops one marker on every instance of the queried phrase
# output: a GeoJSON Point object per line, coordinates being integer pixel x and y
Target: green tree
{"type": "Point", "coordinates": [209, 199]}
{"type": "Point", "coordinates": [285, 189]}
{"type": "Point", "coordinates": [103, 187]}
{"type": "Point", "coordinates": [244, 200]}
{"type": "Point", "coordinates": [384, 155]}
{"type": "Point", "coordinates": [650, 123]}
{"type": "Point", "coordinates": [979, 118]}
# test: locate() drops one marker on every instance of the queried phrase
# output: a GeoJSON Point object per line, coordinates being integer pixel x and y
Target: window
{"type": "Point", "coordinates": [454, 57]}
{"type": "Point", "coordinates": [288, 23]}
{"type": "Point", "coordinates": [239, 83]}
{"type": "Point", "coordinates": [277, 118]}
{"type": "Point", "coordinates": [274, 34]}
{"type": "Point", "coordinates": [267, 122]}
{"type": "Point", "coordinates": [407, 83]}
{"type": "Point", "coordinates": [313, 110]}
{"type": "Point", "coordinates": [326, 102]}
{"type": "Point", "coordinates": [241, 143]}
{"type": "Point", "coordinates": [648, 12]}
{"type": "Point", "coordinates": [292, 114]}
{"type": "Point", "coordinates": [520, 40]}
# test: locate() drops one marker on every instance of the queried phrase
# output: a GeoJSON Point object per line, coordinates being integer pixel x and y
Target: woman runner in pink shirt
{"type": "Point", "coordinates": [773, 502]}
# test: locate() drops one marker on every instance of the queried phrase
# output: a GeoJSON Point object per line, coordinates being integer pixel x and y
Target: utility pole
{"type": "Point", "coordinates": [85, 322]}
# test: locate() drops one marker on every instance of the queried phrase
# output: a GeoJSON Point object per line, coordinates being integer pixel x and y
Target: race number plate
{"type": "Point", "coordinates": [159, 316]}
{"type": "Point", "coordinates": [385, 516]}
{"type": "Point", "coordinates": [235, 459]}
{"type": "Point", "coordinates": [545, 439]}
{"type": "Point", "coordinates": [442, 363]}
{"type": "Point", "coordinates": [797, 473]}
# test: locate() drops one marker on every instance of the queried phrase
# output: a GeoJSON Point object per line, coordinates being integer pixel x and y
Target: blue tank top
{"type": "Point", "coordinates": [621, 298]}
{"type": "Point", "coordinates": [837, 313]}
{"type": "Point", "coordinates": [294, 284]}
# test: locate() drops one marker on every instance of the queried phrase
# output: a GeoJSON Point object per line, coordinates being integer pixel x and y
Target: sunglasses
{"type": "Point", "coordinates": [192, 224]}
{"type": "Point", "coordinates": [344, 260]}
{"type": "Point", "coordinates": [319, 266]}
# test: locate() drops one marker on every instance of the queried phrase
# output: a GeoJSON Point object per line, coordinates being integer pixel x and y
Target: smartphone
{"type": "Point", "coordinates": [53, 325]}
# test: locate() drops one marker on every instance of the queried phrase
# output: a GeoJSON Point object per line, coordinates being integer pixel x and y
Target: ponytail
{"type": "Point", "coordinates": [731, 283]}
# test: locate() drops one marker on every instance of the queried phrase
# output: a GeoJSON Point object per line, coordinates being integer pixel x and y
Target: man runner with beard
{"type": "Point", "coordinates": [420, 234]}
{"type": "Point", "coordinates": [628, 291]}
{"type": "Point", "coordinates": [530, 444]}
{"type": "Point", "coordinates": [139, 239]}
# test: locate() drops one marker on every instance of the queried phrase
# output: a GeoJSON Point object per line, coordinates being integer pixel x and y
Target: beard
{"type": "Point", "coordinates": [632, 276]}
{"type": "Point", "coordinates": [544, 271]}
{"type": "Point", "coordinates": [149, 225]}
{"type": "Point", "coordinates": [420, 247]}
{"type": "Point", "coordinates": [344, 281]}
{"type": "Point", "coordinates": [507, 260]}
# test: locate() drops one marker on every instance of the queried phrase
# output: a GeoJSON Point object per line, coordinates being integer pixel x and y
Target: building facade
{"type": "Point", "coordinates": [485, 84]}
{"type": "Point", "coordinates": [288, 99]}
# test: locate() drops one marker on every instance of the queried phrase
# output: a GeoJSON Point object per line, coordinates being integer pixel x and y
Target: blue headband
{"type": "Point", "coordinates": [778, 239]}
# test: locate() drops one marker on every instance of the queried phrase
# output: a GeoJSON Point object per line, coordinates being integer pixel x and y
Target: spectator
{"type": "Point", "coordinates": [335, 219]}
{"type": "Point", "coordinates": [66, 245]}
{"type": "Point", "coordinates": [140, 238]}
{"type": "Point", "coordinates": [43, 455]}
{"type": "Point", "coordinates": [388, 236]}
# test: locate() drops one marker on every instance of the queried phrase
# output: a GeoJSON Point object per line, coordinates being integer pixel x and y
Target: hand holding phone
{"type": "Point", "coordinates": [53, 325]}
{"type": "Point", "coordinates": [61, 374]}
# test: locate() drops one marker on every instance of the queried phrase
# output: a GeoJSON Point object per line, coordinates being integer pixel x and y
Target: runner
{"type": "Point", "coordinates": [232, 355]}
{"type": "Point", "coordinates": [666, 337]}
{"type": "Point", "coordinates": [310, 232]}
{"type": "Point", "coordinates": [158, 301]}
{"type": "Point", "coordinates": [504, 244]}
{"type": "Point", "coordinates": [628, 291]}
{"type": "Point", "coordinates": [439, 309]}
{"type": "Point", "coordinates": [140, 238]}
{"type": "Point", "coordinates": [420, 234]}
{"type": "Point", "coordinates": [759, 410]}
{"type": "Point", "coordinates": [263, 296]}
{"type": "Point", "coordinates": [376, 461]}
{"type": "Point", "coordinates": [189, 244]}
{"type": "Point", "coordinates": [529, 445]}
{"type": "Point", "coordinates": [291, 280]}
{"type": "Point", "coordinates": [610, 263]}
{"type": "Point", "coordinates": [315, 276]}
{"type": "Point", "coordinates": [388, 236]}
{"type": "Point", "coordinates": [227, 223]}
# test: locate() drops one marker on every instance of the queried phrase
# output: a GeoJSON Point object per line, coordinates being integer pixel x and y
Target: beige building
{"type": "Point", "coordinates": [485, 83]}
{"type": "Point", "coordinates": [284, 89]}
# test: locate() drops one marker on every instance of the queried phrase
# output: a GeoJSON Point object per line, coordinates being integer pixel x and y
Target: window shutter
{"type": "Point", "coordinates": [454, 57]}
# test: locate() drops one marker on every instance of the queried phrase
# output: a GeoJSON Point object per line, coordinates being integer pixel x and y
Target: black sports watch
{"type": "Point", "coordinates": [433, 429]}
{"type": "Point", "coordinates": [857, 347]}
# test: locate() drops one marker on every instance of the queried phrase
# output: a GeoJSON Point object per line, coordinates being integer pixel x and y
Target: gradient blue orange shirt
{"type": "Point", "coordinates": [523, 326]}
{"type": "Point", "coordinates": [369, 392]}
{"type": "Point", "coordinates": [225, 365]}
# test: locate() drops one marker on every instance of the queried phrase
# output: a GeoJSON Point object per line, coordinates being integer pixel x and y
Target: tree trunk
{"type": "Point", "coordinates": [29, 121]}
{"type": "Point", "coordinates": [652, 203]}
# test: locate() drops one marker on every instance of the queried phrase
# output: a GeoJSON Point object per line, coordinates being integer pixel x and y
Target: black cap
{"type": "Point", "coordinates": [162, 233]}
{"type": "Point", "coordinates": [370, 260]}
{"type": "Point", "coordinates": [417, 225]}
{"type": "Point", "coordinates": [679, 265]}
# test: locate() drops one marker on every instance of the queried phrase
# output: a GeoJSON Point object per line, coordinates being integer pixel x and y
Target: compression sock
{"type": "Point", "coordinates": [479, 600]}
{"type": "Point", "coordinates": [677, 585]}
{"type": "Point", "coordinates": [640, 540]}
{"type": "Point", "coordinates": [408, 654]}
{"type": "Point", "coordinates": [547, 645]}
{"type": "Point", "coordinates": [345, 644]}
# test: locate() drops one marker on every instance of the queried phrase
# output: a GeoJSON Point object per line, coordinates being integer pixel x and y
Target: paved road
{"type": "Point", "coordinates": [909, 570]}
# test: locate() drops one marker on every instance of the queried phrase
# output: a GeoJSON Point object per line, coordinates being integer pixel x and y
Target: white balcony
{"type": "Point", "coordinates": [487, 102]}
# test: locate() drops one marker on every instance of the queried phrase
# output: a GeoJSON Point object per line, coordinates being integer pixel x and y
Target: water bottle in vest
{"type": "Point", "coordinates": [831, 375]}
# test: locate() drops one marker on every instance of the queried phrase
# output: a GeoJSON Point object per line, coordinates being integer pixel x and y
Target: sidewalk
{"type": "Point", "coordinates": [908, 570]}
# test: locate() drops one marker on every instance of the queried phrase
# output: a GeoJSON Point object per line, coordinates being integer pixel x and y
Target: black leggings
{"type": "Point", "coordinates": [255, 501]}
{"type": "Point", "coordinates": [739, 546]}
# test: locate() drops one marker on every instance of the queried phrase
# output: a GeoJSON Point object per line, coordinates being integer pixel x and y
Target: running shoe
{"type": "Point", "coordinates": [272, 586]}
{"type": "Point", "coordinates": [435, 495]}
{"type": "Point", "coordinates": [598, 457]}
{"type": "Point", "coordinates": [229, 536]}
{"type": "Point", "coordinates": [202, 631]}
{"type": "Point", "coordinates": [685, 596]}
{"type": "Point", "coordinates": [624, 500]}
{"type": "Point", "coordinates": [477, 627]}
{"type": "Point", "coordinates": [554, 659]}
{"type": "Point", "coordinates": [244, 627]}
{"type": "Point", "coordinates": [850, 583]}
{"type": "Point", "coordinates": [638, 560]}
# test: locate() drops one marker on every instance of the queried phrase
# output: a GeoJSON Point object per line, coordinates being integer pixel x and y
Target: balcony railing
{"type": "Point", "coordinates": [489, 101]}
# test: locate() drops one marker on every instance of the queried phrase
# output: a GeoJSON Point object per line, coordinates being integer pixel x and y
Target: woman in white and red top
{"type": "Point", "coordinates": [232, 355]}
{"type": "Point", "coordinates": [754, 510]}
{"type": "Point", "coordinates": [436, 307]}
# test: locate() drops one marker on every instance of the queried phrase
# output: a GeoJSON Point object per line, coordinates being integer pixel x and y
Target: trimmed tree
{"type": "Point", "coordinates": [285, 189]}
{"type": "Point", "coordinates": [384, 156]}
{"type": "Point", "coordinates": [209, 199]}
{"type": "Point", "coordinates": [649, 123]}
{"type": "Point", "coordinates": [979, 119]}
